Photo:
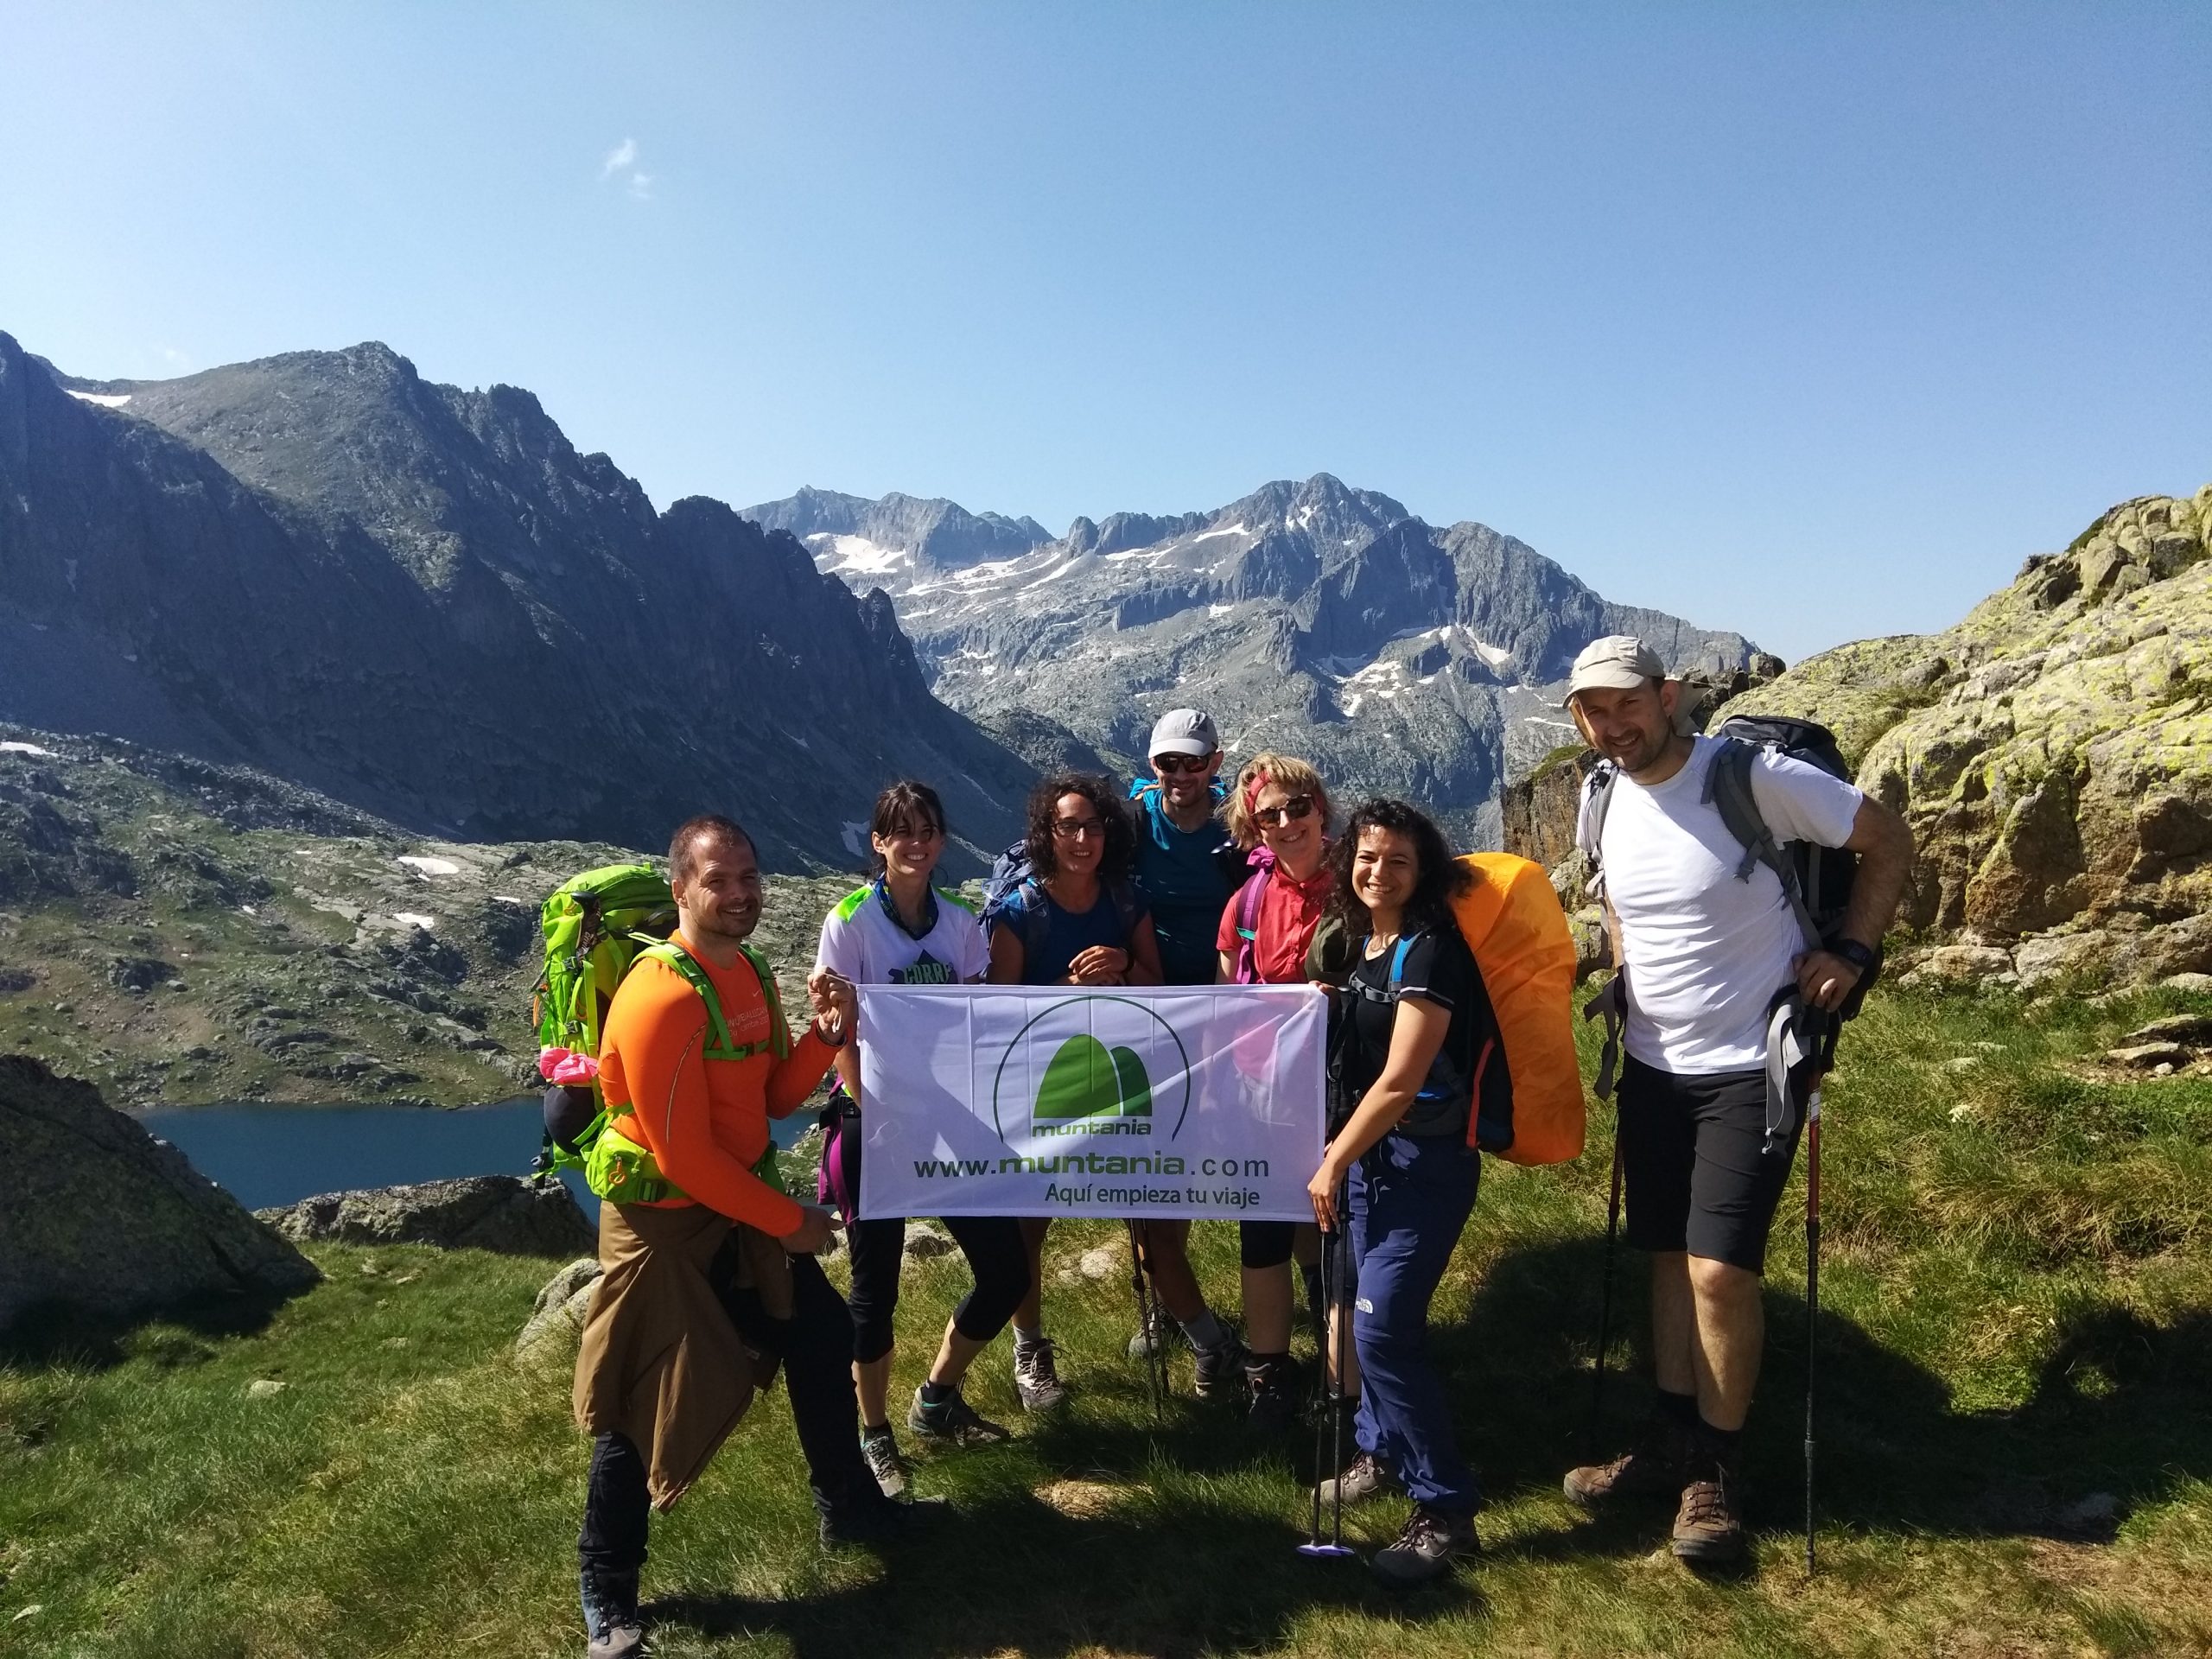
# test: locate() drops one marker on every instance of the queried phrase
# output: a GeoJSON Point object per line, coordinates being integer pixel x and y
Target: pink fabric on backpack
{"type": "Point", "coordinates": [565, 1066]}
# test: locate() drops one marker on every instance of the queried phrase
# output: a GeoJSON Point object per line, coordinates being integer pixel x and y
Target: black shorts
{"type": "Point", "coordinates": [1692, 1161]}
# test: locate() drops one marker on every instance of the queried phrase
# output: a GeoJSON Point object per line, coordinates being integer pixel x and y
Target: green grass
{"type": "Point", "coordinates": [2017, 1316]}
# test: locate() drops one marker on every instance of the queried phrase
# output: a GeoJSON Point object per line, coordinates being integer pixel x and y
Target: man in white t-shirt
{"type": "Point", "coordinates": [1704, 954]}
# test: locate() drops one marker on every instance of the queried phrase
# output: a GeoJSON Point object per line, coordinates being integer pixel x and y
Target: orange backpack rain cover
{"type": "Point", "coordinates": [1512, 921]}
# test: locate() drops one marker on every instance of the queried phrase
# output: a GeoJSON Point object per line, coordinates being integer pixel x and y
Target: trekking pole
{"type": "Point", "coordinates": [1605, 1293]}
{"type": "Point", "coordinates": [1330, 1423]}
{"type": "Point", "coordinates": [1812, 1294]}
{"type": "Point", "coordinates": [1155, 1362]}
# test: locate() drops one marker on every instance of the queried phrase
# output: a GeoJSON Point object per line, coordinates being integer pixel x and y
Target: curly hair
{"type": "Point", "coordinates": [1439, 877]}
{"type": "Point", "coordinates": [1289, 773]}
{"type": "Point", "coordinates": [1120, 855]}
{"type": "Point", "coordinates": [908, 804]}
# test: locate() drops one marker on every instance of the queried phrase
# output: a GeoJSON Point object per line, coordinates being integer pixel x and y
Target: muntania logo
{"type": "Point", "coordinates": [1106, 1051]}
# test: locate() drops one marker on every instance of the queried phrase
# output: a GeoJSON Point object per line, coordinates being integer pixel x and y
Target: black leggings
{"type": "Point", "coordinates": [992, 1244]}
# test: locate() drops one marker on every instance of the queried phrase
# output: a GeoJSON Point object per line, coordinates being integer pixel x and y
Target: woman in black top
{"type": "Point", "coordinates": [1417, 1045]}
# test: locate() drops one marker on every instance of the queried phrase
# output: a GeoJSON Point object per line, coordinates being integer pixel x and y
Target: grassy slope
{"type": "Point", "coordinates": [2017, 1296]}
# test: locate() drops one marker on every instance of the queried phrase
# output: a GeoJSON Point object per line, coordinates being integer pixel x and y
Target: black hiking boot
{"type": "Point", "coordinates": [953, 1421]}
{"type": "Point", "coordinates": [1655, 1466]}
{"type": "Point", "coordinates": [612, 1627]}
{"type": "Point", "coordinates": [1220, 1371]}
{"type": "Point", "coordinates": [880, 1521]}
{"type": "Point", "coordinates": [1431, 1545]}
{"type": "Point", "coordinates": [1272, 1381]}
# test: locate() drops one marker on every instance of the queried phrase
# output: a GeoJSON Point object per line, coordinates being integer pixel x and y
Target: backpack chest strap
{"type": "Point", "coordinates": [719, 1045]}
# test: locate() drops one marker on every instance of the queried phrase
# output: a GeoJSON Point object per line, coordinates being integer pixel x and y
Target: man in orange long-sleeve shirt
{"type": "Point", "coordinates": [685, 1307]}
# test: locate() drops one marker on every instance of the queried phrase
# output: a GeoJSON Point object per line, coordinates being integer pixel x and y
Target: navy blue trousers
{"type": "Point", "coordinates": [1410, 1196]}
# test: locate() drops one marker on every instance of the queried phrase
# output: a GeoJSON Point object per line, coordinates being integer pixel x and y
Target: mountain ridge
{"type": "Point", "coordinates": [1309, 614]}
{"type": "Point", "coordinates": [427, 602]}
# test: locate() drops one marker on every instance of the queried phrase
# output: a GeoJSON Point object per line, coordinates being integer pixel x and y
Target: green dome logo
{"type": "Point", "coordinates": [1092, 1065]}
{"type": "Point", "coordinates": [1087, 1079]}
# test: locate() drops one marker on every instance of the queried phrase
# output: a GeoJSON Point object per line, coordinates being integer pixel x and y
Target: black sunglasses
{"type": "Point", "coordinates": [1298, 806]}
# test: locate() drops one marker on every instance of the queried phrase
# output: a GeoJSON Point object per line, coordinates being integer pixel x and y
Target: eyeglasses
{"type": "Point", "coordinates": [1298, 806]}
{"type": "Point", "coordinates": [1076, 829]}
{"type": "Point", "coordinates": [1168, 764]}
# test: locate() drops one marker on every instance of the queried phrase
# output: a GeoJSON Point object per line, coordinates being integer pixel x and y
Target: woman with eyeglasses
{"type": "Point", "coordinates": [1420, 1048]}
{"type": "Point", "coordinates": [1078, 919]}
{"type": "Point", "coordinates": [899, 930]}
{"type": "Point", "coordinates": [1278, 812]}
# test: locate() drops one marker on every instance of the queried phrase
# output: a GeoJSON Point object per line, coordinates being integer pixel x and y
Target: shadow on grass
{"type": "Point", "coordinates": [2114, 1421]}
{"type": "Point", "coordinates": [50, 1335]}
{"type": "Point", "coordinates": [1010, 1573]}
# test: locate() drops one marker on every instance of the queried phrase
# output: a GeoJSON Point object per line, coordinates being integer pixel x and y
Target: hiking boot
{"type": "Point", "coordinates": [1430, 1545]}
{"type": "Point", "coordinates": [1272, 1381]}
{"type": "Point", "coordinates": [1036, 1379]}
{"type": "Point", "coordinates": [1362, 1479]}
{"type": "Point", "coordinates": [953, 1421]}
{"type": "Point", "coordinates": [885, 1460]}
{"type": "Point", "coordinates": [881, 1522]}
{"type": "Point", "coordinates": [1655, 1467]}
{"type": "Point", "coordinates": [1221, 1371]}
{"type": "Point", "coordinates": [611, 1628]}
{"type": "Point", "coordinates": [1708, 1530]}
{"type": "Point", "coordinates": [1154, 1336]}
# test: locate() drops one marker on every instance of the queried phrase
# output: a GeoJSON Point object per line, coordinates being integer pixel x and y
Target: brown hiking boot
{"type": "Point", "coordinates": [1708, 1530]}
{"type": "Point", "coordinates": [1655, 1466]}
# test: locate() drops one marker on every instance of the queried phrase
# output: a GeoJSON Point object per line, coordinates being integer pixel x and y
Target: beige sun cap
{"type": "Point", "coordinates": [1619, 662]}
{"type": "Point", "coordinates": [1185, 731]}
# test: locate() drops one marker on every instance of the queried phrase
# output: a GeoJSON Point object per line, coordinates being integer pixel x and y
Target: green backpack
{"type": "Point", "coordinates": [597, 926]}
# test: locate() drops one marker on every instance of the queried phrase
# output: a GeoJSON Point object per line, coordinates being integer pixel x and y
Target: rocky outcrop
{"type": "Point", "coordinates": [557, 1322]}
{"type": "Point", "coordinates": [2053, 752]}
{"type": "Point", "coordinates": [101, 1216]}
{"type": "Point", "coordinates": [507, 1214]}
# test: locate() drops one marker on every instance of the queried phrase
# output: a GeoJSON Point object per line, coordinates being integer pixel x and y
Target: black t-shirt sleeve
{"type": "Point", "coordinates": [1436, 972]}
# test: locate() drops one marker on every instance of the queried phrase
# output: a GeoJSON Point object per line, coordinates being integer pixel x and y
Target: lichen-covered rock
{"type": "Point", "coordinates": [505, 1213]}
{"type": "Point", "coordinates": [102, 1217]}
{"type": "Point", "coordinates": [556, 1326]}
{"type": "Point", "coordinates": [2053, 752]}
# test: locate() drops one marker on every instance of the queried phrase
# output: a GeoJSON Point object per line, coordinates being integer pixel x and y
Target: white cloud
{"type": "Point", "coordinates": [623, 157]}
{"type": "Point", "coordinates": [641, 185]}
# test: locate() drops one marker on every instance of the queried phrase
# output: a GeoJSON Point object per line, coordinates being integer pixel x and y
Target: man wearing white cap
{"type": "Point", "coordinates": [1708, 942]}
{"type": "Point", "coordinates": [1189, 867]}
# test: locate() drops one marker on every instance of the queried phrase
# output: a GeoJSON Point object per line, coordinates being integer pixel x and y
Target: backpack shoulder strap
{"type": "Point", "coordinates": [1398, 954]}
{"type": "Point", "coordinates": [1248, 900]}
{"type": "Point", "coordinates": [1035, 923]}
{"type": "Point", "coordinates": [1597, 800]}
{"type": "Point", "coordinates": [678, 961]}
{"type": "Point", "coordinates": [779, 1030]}
{"type": "Point", "coordinates": [1728, 791]}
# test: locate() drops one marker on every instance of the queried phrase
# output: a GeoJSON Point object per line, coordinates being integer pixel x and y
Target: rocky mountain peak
{"type": "Point", "coordinates": [1309, 613]}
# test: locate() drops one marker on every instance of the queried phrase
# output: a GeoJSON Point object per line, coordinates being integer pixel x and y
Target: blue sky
{"type": "Point", "coordinates": [1809, 321]}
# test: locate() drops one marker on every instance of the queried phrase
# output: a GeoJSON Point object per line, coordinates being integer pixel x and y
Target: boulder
{"type": "Point", "coordinates": [2194, 1029]}
{"type": "Point", "coordinates": [1962, 964]}
{"type": "Point", "coordinates": [102, 1217]}
{"type": "Point", "coordinates": [2053, 751]}
{"type": "Point", "coordinates": [2145, 1057]}
{"type": "Point", "coordinates": [554, 1328]}
{"type": "Point", "coordinates": [924, 1242]}
{"type": "Point", "coordinates": [509, 1214]}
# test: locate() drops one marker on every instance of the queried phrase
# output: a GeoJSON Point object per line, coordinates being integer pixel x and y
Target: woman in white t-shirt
{"type": "Point", "coordinates": [899, 930]}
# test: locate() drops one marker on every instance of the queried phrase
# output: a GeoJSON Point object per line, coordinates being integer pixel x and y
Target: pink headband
{"type": "Point", "coordinates": [1260, 781]}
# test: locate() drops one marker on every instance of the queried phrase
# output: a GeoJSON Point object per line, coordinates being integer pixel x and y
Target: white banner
{"type": "Point", "coordinates": [1023, 1099]}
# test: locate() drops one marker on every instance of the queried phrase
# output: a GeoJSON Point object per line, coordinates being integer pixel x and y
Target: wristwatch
{"type": "Point", "coordinates": [1856, 953]}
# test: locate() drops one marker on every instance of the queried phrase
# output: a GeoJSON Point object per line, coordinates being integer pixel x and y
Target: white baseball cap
{"type": "Point", "coordinates": [1619, 662]}
{"type": "Point", "coordinates": [1183, 731]}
